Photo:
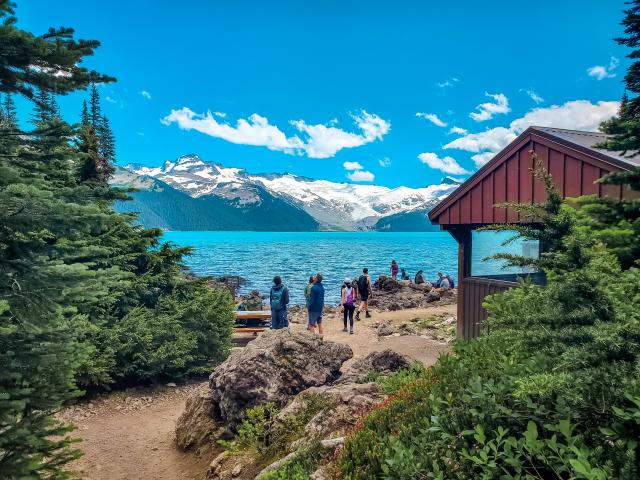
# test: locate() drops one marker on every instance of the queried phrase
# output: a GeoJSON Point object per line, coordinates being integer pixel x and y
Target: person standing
{"type": "Point", "coordinates": [365, 291]}
{"type": "Point", "coordinates": [348, 304]}
{"type": "Point", "coordinates": [315, 305]}
{"type": "Point", "coordinates": [279, 299]}
{"type": "Point", "coordinates": [394, 270]}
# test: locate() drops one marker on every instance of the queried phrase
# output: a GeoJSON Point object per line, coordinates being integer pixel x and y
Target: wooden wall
{"type": "Point", "coordinates": [511, 181]}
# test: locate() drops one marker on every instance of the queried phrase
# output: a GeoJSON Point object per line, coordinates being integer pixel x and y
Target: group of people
{"type": "Point", "coordinates": [353, 292]}
{"type": "Point", "coordinates": [443, 281]}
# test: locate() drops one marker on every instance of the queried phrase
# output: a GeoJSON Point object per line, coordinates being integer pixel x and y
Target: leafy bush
{"type": "Point", "coordinates": [267, 436]}
{"type": "Point", "coordinates": [186, 333]}
{"type": "Point", "coordinates": [299, 467]}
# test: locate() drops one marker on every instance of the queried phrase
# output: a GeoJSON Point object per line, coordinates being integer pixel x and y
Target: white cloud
{"type": "Point", "coordinates": [352, 166]}
{"type": "Point", "coordinates": [533, 96]}
{"type": "Point", "coordinates": [318, 141]}
{"type": "Point", "coordinates": [324, 141]}
{"type": "Point", "coordinates": [145, 94]}
{"type": "Point", "coordinates": [487, 110]}
{"type": "Point", "coordinates": [110, 100]}
{"type": "Point", "coordinates": [432, 117]}
{"type": "Point", "coordinates": [446, 164]}
{"type": "Point", "coordinates": [575, 115]}
{"type": "Point", "coordinates": [458, 130]}
{"type": "Point", "coordinates": [384, 162]}
{"type": "Point", "coordinates": [447, 83]}
{"type": "Point", "coordinates": [361, 176]}
{"type": "Point", "coordinates": [601, 72]}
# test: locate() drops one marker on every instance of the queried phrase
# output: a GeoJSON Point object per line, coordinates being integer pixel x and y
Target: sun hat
{"type": "Point", "coordinates": [347, 280]}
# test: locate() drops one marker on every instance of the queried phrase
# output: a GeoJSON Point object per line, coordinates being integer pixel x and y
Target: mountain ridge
{"type": "Point", "coordinates": [330, 205]}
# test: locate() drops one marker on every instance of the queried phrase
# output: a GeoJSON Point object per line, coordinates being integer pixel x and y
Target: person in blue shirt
{"type": "Point", "coordinates": [279, 299]}
{"type": "Point", "coordinates": [315, 305]}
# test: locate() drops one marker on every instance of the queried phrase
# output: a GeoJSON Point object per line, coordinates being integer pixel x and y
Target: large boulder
{"type": "Point", "coordinates": [383, 362]}
{"type": "Point", "coordinates": [273, 368]}
{"type": "Point", "coordinates": [196, 425]}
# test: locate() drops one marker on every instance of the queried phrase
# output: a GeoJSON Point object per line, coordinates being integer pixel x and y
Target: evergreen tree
{"type": "Point", "coordinates": [42, 107]}
{"type": "Point", "coordinates": [46, 226]}
{"type": "Point", "coordinates": [625, 128]}
{"type": "Point", "coordinates": [84, 114]}
{"type": "Point", "coordinates": [10, 112]}
{"type": "Point", "coordinates": [95, 111]}
{"type": "Point", "coordinates": [54, 52]}
{"type": "Point", "coordinates": [107, 141]}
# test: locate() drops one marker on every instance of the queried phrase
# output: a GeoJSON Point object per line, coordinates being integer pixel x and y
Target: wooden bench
{"type": "Point", "coordinates": [252, 321]}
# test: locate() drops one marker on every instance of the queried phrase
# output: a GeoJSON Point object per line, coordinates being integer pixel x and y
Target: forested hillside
{"type": "Point", "coordinates": [88, 298]}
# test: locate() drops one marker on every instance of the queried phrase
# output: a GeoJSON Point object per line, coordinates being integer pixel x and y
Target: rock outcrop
{"type": "Point", "coordinates": [391, 295]}
{"type": "Point", "coordinates": [276, 366]}
{"type": "Point", "coordinates": [273, 368]}
{"type": "Point", "coordinates": [383, 362]}
{"type": "Point", "coordinates": [196, 425]}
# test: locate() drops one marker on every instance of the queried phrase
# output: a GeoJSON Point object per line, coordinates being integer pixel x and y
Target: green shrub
{"type": "Point", "coordinates": [305, 462]}
{"type": "Point", "coordinates": [187, 333]}
{"type": "Point", "coordinates": [267, 437]}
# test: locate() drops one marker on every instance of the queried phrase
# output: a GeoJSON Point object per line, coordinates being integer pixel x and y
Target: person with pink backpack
{"type": "Point", "coordinates": [348, 300]}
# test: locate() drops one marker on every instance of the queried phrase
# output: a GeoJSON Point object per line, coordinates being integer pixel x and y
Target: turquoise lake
{"type": "Point", "coordinates": [258, 256]}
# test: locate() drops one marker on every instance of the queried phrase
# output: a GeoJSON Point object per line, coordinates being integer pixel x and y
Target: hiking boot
{"type": "Point", "coordinates": [351, 332]}
{"type": "Point", "coordinates": [368, 314]}
{"type": "Point", "coordinates": [344, 329]}
{"type": "Point", "coordinates": [358, 316]}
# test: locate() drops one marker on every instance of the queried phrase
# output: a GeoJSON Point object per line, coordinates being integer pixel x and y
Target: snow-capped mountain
{"type": "Point", "coordinates": [335, 206]}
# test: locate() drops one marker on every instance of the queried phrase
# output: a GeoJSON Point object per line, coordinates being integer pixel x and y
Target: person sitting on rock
{"type": "Point", "coordinates": [438, 282]}
{"type": "Point", "coordinates": [404, 275]}
{"type": "Point", "coordinates": [452, 284]}
{"type": "Point", "coordinates": [419, 278]}
{"type": "Point", "coordinates": [279, 299]}
{"type": "Point", "coordinates": [444, 283]}
{"type": "Point", "coordinates": [315, 305]}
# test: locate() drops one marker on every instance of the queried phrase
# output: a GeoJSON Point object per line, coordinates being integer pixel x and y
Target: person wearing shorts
{"type": "Point", "coordinates": [364, 292]}
{"type": "Point", "coordinates": [315, 305]}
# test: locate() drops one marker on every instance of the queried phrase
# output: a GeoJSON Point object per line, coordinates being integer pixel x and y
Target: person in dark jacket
{"type": "Point", "coordinates": [315, 305]}
{"type": "Point", "coordinates": [279, 299]}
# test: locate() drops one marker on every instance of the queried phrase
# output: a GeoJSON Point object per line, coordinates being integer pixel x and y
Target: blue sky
{"type": "Point", "coordinates": [317, 85]}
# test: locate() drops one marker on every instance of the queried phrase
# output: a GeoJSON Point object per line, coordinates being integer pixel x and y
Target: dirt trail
{"type": "Point", "coordinates": [130, 435]}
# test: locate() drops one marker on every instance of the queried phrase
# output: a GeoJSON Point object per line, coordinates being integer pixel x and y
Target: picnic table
{"type": "Point", "coordinates": [252, 321]}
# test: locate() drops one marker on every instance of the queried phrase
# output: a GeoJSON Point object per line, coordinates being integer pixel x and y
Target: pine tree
{"type": "Point", "coordinates": [10, 112]}
{"type": "Point", "coordinates": [95, 111]}
{"type": "Point", "coordinates": [84, 114]}
{"type": "Point", "coordinates": [625, 128]}
{"type": "Point", "coordinates": [107, 141]}
{"type": "Point", "coordinates": [53, 52]}
{"type": "Point", "coordinates": [42, 107]}
{"type": "Point", "coordinates": [47, 223]}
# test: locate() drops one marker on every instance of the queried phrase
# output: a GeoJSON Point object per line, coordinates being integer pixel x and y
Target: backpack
{"type": "Point", "coordinates": [276, 298]}
{"type": "Point", "coordinates": [349, 299]}
{"type": "Point", "coordinates": [363, 285]}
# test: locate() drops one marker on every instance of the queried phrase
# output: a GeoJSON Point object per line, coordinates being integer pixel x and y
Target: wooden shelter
{"type": "Point", "coordinates": [575, 165]}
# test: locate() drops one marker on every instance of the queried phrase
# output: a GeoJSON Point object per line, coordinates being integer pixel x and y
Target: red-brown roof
{"type": "Point", "coordinates": [569, 155]}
